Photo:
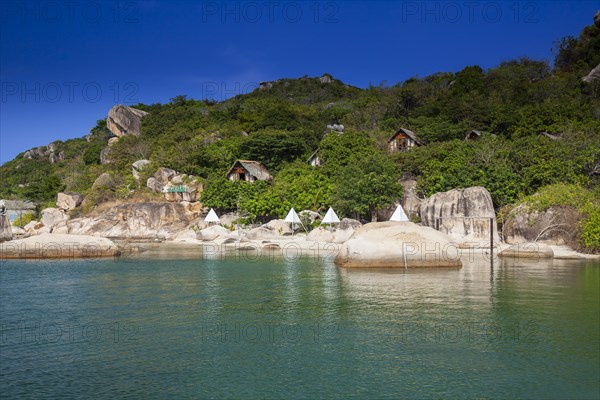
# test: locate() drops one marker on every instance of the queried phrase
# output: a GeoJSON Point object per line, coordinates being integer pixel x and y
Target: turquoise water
{"type": "Point", "coordinates": [158, 327]}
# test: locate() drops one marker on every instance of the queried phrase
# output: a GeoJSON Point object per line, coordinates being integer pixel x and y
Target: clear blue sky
{"type": "Point", "coordinates": [63, 64]}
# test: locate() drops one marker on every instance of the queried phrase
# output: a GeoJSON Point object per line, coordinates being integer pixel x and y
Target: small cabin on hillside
{"type": "Point", "coordinates": [473, 135]}
{"type": "Point", "coordinates": [403, 140]}
{"type": "Point", "coordinates": [314, 160]}
{"type": "Point", "coordinates": [249, 171]}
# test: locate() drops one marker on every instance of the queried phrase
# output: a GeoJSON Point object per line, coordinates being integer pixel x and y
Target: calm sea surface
{"type": "Point", "coordinates": [163, 325]}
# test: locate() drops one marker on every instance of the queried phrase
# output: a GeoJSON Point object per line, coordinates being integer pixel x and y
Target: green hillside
{"type": "Point", "coordinates": [282, 124]}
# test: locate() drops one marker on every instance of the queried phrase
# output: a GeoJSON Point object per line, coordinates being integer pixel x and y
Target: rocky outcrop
{"type": "Point", "coordinates": [340, 234]}
{"type": "Point", "coordinates": [49, 153]}
{"type": "Point", "coordinates": [528, 250]}
{"type": "Point", "coordinates": [398, 245]}
{"type": "Point", "coordinates": [66, 201]}
{"type": "Point", "coordinates": [47, 245]}
{"type": "Point", "coordinates": [105, 156]}
{"type": "Point", "coordinates": [593, 76]}
{"type": "Point", "coordinates": [463, 214]}
{"type": "Point", "coordinates": [5, 228]}
{"type": "Point", "coordinates": [51, 217]}
{"type": "Point", "coordinates": [123, 120]}
{"type": "Point", "coordinates": [556, 225]}
{"type": "Point", "coordinates": [138, 166]}
{"type": "Point", "coordinates": [597, 19]}
{"type": "Point", "coordinates": [174, 186]}
{"type": "Point", "coordinates": [136, 220]}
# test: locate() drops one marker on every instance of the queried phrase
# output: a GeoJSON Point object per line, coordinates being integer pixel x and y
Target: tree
{"type": "Point", "coordinates": [365, 185]}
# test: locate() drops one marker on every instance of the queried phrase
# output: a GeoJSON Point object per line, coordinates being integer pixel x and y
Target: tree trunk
{"type": "Point", "coordinates": [373, 215]}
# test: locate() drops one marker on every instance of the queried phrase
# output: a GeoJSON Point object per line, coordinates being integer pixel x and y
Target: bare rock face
{"type": "Point", "coordinates": [174, 186]}
{"type": "Point", "coordinates": [136, 220]}
{"type": "Point", "coordinates": [68, 200]}
{"type": "Point", "coordinates": [593, 76]}
{"type": "Point", "coordinates": [557, 225]}
{"type": "Point", "coordinates": [51, 217]}
{"type": "Point", "coordinates": [105, 156]}
{"type": "Point", "coordinates": [325, 79]}
{"type": "Point", "coordinates": [463, 214]}
{"type": "Point", "coordinates": [123, 120]}
{"type": "Point", "coordinates": [597, 18]}
{"type": "Point", "coordinates": [398, 245]}
{"type": "Point", "coordinates": [5, 228]}
{"type": "Point", "coordinates": [48, 153]}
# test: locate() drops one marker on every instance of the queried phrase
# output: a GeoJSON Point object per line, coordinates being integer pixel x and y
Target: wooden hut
{"type": "Point", "coordinates": [403, 140]}
{"type": "Point", "coordinates": [249, 171]}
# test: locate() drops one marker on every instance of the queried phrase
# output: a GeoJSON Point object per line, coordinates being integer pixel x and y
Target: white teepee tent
{"type": "Point", "coordinates": [399, 215]}
{"type": "Point", "coordinates": [293, 218]}
{"type": "Point", "coordinates": [212, 216]}
{"type": "Point", "coordinates": [331, 217]}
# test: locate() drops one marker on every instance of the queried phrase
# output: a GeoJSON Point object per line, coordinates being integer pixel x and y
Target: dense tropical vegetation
{"type": "Point", "coordinates": [281, 126]}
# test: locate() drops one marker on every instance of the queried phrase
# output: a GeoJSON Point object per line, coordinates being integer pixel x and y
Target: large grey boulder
{"type": "Point", "coordinates": [123, 120]}
{"type": "Point", "coordinates": [52, 216]}
{"type": "Point", "coordinates": [212, 233]}
{"type": "Point", "coordinates": [105, 156]}
{"type": "Point", "coordinates": [398, 245]}
{"type": "Point", "coordinates": [47, 245]}
{"type": "Point", "coordinates": [556, 225]}
{"type": "Point", "coordinates": [66, 201]}
{"type": "Point", "coordinates": [5, 228]}
{"type": "Point", "coordinates": [279, 227]}
{"type": "Point", "coordinates": [348, 223]}
{"type": "Point", "coordinates": [463, 214]}
{"type": "Point", "coordinates": [104, 181]}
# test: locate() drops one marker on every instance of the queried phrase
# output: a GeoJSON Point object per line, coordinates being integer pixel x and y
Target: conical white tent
{"type": "Point", "coordinates": [212, 216]}
{"type": "Point", "coordinates": [293, 218]}
{"type": "Point", "coordinates": [399, 215]}
{"type": "Point", "coordinates": [331, 217]}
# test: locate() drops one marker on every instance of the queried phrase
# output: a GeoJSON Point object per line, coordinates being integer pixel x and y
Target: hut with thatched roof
{"type": "Point", "coordinates": [249, 171]}
{"type": "Point", "coordinates": [402, 140]}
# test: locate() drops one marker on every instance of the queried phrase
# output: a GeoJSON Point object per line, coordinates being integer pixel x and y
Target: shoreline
{"type": "Point", "coordinates": [70, 246]}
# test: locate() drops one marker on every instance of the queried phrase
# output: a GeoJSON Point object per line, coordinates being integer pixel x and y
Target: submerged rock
{"type": "Point", "coordinates": [398, 245]}
{"type": "Point", "coordinates": [528, 250]}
